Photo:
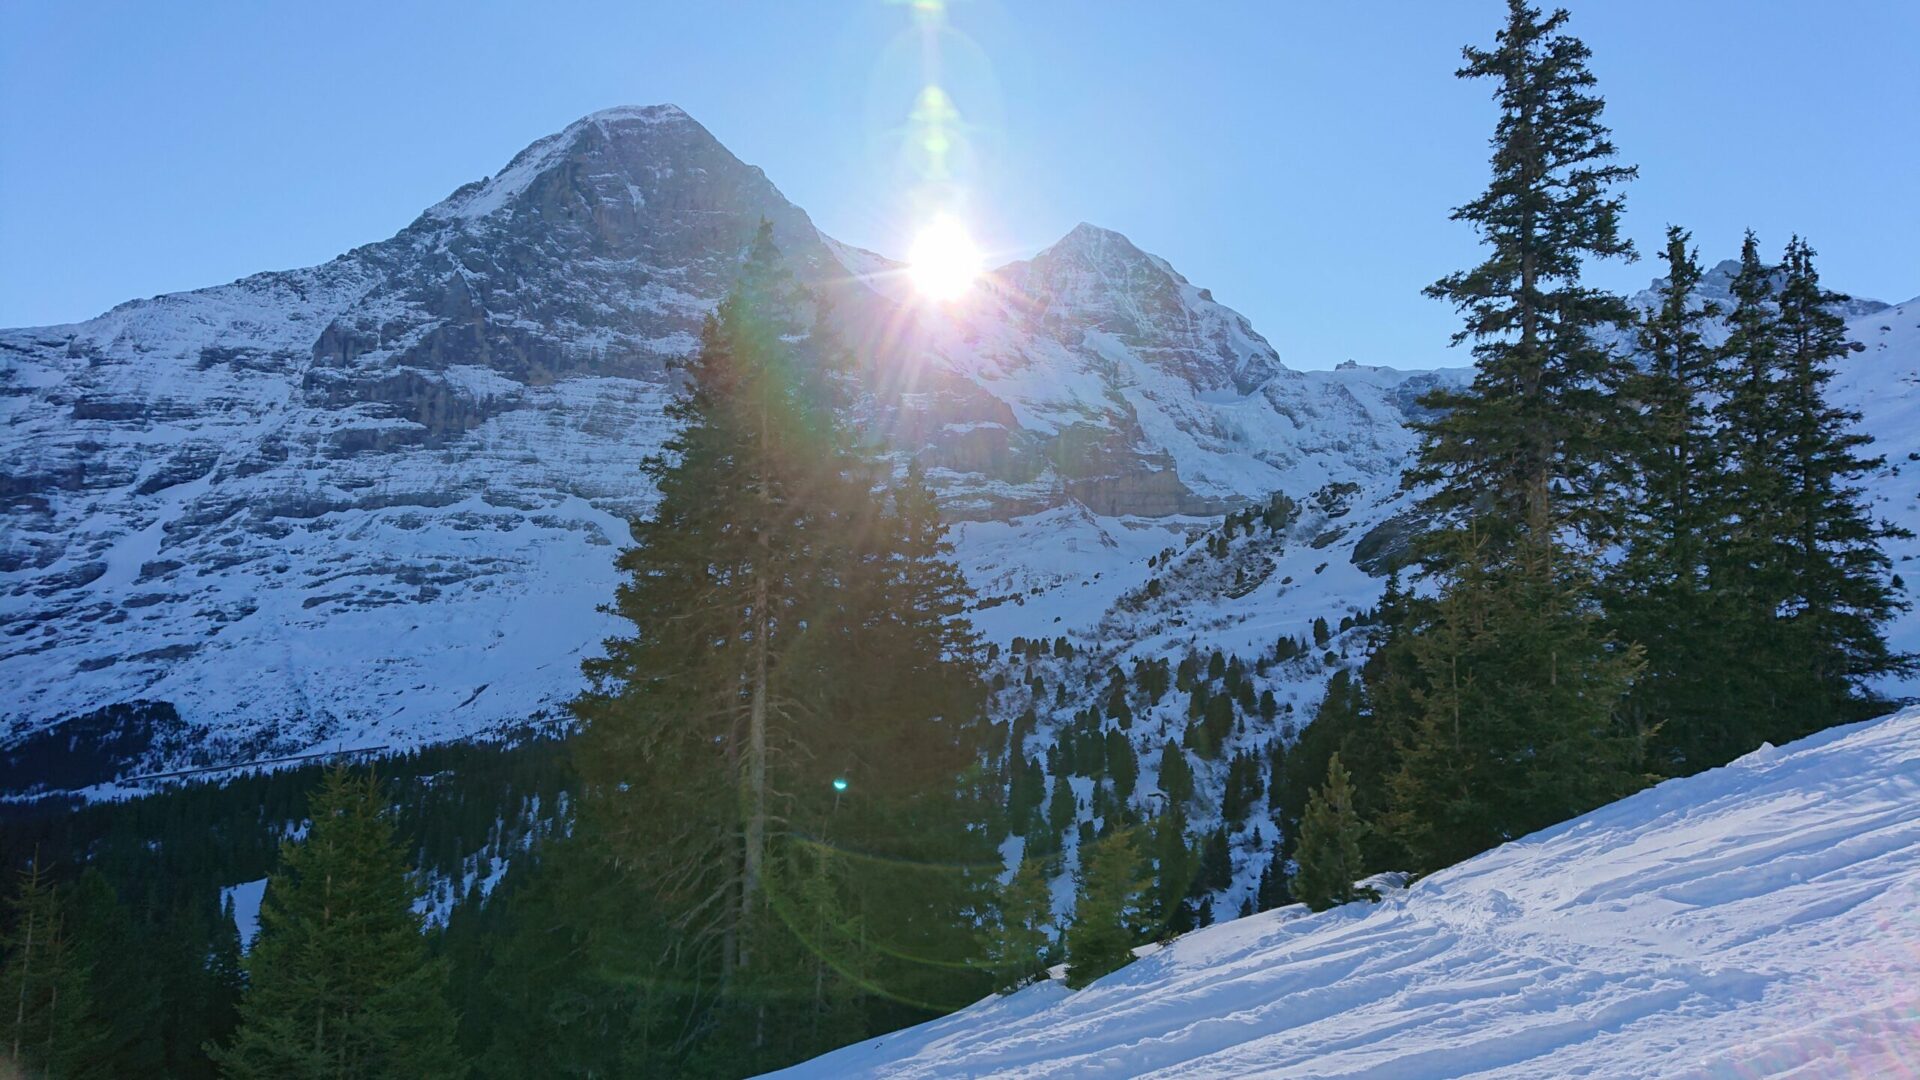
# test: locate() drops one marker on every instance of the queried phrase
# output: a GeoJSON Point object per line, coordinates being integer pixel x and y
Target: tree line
{"type": "Point", "coordinates": [1650, 553]}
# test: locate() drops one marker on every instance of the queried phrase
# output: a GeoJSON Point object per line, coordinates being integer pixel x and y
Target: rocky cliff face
{"type": "Point", "coordinates": [376, 501]}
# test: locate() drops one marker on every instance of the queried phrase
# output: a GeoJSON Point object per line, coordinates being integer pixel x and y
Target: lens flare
{"type": "Point", "coordinates": [944, 261]}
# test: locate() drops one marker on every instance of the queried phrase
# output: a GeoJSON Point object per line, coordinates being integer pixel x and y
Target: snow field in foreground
{"type": "Point", "coordinates": [1761, 919]}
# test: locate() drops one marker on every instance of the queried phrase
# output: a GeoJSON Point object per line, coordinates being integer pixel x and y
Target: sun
{"type": "Point", "coordinates": [944, 261]}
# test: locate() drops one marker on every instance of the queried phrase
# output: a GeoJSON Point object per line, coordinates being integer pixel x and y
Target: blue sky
{"type": "Point", "coordinates": [1299, 159]}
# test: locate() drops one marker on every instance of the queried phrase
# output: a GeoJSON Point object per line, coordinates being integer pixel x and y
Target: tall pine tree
{"type": "Point", "coordinates": [1112, 883]}
{"type": "Point", "coordinates": [780, 758]}
{"type": "Point", "coordinates": [1329, 851]}
{"type": "Point", "coordinates": [1659, 595]}
{"type": "Point", "coordinates": [1800, 564]}
{"type": "Point", "coordinates": [1520, 677]}
{"type": "Point", "coordinates": [48, 1025]}
{"type": "Point", "coordinates": [340, 982]}
{"type": "Point", "coordinates": [1021, 943]}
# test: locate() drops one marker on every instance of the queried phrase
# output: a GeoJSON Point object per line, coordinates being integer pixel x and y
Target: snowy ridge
{"type": "Point", "coordinates": [1755, 920]}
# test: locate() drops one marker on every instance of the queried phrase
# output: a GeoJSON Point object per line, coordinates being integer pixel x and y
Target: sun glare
{"type": "Point", "coordinates": [944, 260]}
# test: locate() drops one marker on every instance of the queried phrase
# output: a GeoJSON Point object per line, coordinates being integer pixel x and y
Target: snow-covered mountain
{"type": "Point", "coordinates": [1754, 920]}
{"type": "Point", "coordinates": [375, 502]}
{"type": "Point", "coordinates": [1882, 383]}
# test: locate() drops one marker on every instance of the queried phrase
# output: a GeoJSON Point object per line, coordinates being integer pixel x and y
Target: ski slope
{"type": "Point", "coordinates": [1758, 920]}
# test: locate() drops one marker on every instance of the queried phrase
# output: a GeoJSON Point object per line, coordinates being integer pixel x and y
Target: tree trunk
{"type": "Point", "coordinates": [26, 967]}
{"type": "Point", "coordinates": [756, 764]}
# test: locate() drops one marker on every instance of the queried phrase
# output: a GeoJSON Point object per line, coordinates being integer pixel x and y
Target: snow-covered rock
{"type": "Point", "coordinates": [1755, 920]}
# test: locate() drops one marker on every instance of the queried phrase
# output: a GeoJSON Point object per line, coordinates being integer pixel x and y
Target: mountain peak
{"type": "Point", "coordinates": [663, 113]}
{"type": "Point", "coordinates": [654, 138]}
{"type": "Point", "coordinates": [1097, 279]}
{"type": "Point", "coordinates": [1090, 247]}
{"type": "Point", "coordinates": [1090, 238]}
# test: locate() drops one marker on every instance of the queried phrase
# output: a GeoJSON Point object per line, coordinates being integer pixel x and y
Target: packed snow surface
{"type": "Point", "coordinates": [1757, 920]}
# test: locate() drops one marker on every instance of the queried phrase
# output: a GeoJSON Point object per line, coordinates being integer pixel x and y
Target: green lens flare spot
{"type": "Point", "coordinates": [839, 783]}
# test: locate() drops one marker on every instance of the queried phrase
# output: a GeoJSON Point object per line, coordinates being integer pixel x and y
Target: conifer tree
{"type": "Point", "coordinates": [781, 755]}
{"type": "Point", "coordinates": [1018, 950]}
{"type": "Point", "coordinates": [1063, 808]}
{"type": "Point", "coordinates": [1745, 569]}
{"type": "Point", "coordinates": [1216, 863]}
{"type": "Point", "coordinates": [1353, 719]}
{"type": "Point", "coordinates": [1176, 776]}
{"type": "Point", "coordinates": [1123, 767]}
{"type": "Point", "coordinates": [1174, 867]}
{"type": "Point", "coordinates": [1843, 598]}
{"type": "Point", "coordinates": [1111, 884]}
{"type": "Point", "coordinates": [1659, 595]}
{"type": "Point", "coordinates": [1245, 782]}
{"type": "Point", "coordinates": [48, 1026]}
{"type": "Point", "coordinates": [1328, 854]}
{"type": "Point", "coordinates": [1274, 890]}
{"type": "Point", "coordinates": [1521, 472]}
{"type": "Point", "coordinates": [122, 995]}
{"type": "Point", "coordinates": [1217, 725]}
{"type": "Point", "coordinates": [561, 917]}
{"type": "Point", "coordinates": [1025, 790]}
{"type": "Point", "coordinates": [1800, 566]}
{"type": "Point", "coordinates": [340, 983]}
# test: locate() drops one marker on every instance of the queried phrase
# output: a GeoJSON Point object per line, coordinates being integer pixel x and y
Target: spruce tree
{"type": "Point", "coordinates": [1062, 808]}
{"type": "Point", "coordinates": [1844, 598]}
{"type": "Point", "coordinates": [340, 982]}
{"type": "Point", "coordinates": [1018, 950]}
{"type": "Point", "coordinates": [1102, 935]}
{"type": "Point", "coordinates": [1801, 564]}
{"type": "Point", "coordinates": [1123, 767]}
{"type": "Point", "coordinates": [1245, 783]}
{"type": "Point", "coordinates": [1174, 866]}
{"type": "Point", "coordinates": [1175, 775]}
{"type": "Point", "coordinates": [1215, 871]}
{"type": "Point", "coordinates": [1351, 720]}
{"type": "Point", "coordinates": [48, 1026]}
{"type": "Point", "coordinates": [1328, 854]}
{"type": "Point", "coordinates": [781, 754]}
{"type": "Point", "coordinates": [1520, 471]}
{"type": "Point", "coordinates": [560, 919]}
{"type": "Point", "coordinates": [1659, 595]}
{"type": "Point", "coordinates": [1274, 890]}
{"type": "Point", "coordinates": [123, 995]}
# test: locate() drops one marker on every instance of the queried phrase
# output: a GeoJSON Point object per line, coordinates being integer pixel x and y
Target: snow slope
{"type": "Point", "coordinates": [1757, 920]}
{"type": "Point", "coordinates": [1882, 384]}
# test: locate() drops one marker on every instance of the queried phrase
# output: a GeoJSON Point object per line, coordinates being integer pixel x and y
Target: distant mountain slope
{"type": "Point", "coordinates": [1882, 384]}
{"type": "Point", "coordinates": [375, 502]}
{"type": "Point", "coordinates": [1755, 920]}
